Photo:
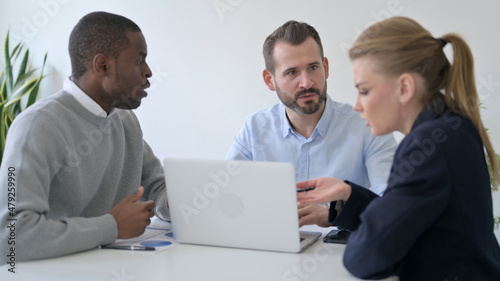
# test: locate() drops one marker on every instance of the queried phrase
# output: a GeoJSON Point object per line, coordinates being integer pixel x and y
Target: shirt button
{"type": "Point", "coordinates": [303, 175]}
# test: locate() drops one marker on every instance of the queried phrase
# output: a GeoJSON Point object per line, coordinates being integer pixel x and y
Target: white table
{"type": "Point", "coordinates": [321, 261]}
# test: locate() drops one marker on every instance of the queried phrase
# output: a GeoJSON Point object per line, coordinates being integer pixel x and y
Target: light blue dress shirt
{"type": "Point", "coordinates": [341, 146]}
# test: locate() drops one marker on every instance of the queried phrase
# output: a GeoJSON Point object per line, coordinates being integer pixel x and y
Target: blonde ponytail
{"type": "Point", "coordinates": [461, 95]}
{"type": "Point", "coordinates": [402, 45]}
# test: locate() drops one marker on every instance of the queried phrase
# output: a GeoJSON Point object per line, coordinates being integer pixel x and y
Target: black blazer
{"type": "Point", "coordinates": [435, 220]}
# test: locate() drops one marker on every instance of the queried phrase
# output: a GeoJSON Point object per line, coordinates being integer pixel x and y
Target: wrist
{"type": "Point", "coordinates": [347, 190]}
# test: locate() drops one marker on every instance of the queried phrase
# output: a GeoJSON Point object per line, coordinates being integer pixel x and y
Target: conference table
{"type": "Point", "coordinates": [320, 261]}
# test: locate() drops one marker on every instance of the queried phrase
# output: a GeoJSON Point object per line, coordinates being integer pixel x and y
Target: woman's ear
{"type": "Point", "coordinates": [407, 88]}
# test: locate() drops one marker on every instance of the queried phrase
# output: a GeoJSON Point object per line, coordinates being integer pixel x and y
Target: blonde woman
{"type": "Point", "coordinates": [435, 221]}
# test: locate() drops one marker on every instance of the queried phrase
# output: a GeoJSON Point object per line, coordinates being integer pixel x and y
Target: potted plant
{"type": "Point", "coordinates": [496, 194]}
{"type": "Point", "coordinates": [14, 88]}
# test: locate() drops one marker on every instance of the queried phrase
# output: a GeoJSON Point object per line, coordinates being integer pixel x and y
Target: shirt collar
{"type": "Point", "coordinates": [326, 118]}
{"type": "Point", "coordinates": [86, 101]}
{"type": "Point", "coordinates": [323, 122]}
{"type": "Point", "coordinates": [287, 128]}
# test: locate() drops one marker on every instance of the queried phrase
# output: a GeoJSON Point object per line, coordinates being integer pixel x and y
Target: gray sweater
{"type": "Point", "coordinates": [69, 168]}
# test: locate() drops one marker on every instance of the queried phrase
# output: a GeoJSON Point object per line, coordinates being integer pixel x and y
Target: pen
{"type": "Point", "coordinates": [306, 189]}
{"type": "Point", "coordinates": [131, 248]}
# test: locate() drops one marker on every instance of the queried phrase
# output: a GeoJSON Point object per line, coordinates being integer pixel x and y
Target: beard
{"type": "Point", "coordinates": [310, 106]}
{"type": "Point", "coordinates": [125, 97]}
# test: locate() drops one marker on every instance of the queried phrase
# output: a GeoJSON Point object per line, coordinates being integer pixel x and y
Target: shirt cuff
{"type": "Point", "coordinates": [162, 209]}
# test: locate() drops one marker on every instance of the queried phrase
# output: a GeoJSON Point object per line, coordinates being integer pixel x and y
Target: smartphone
{"type": "Point", "coordinates": [338, 236]}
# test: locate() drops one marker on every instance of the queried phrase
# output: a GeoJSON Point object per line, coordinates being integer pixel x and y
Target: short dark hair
{"type": "Point", "coordinates": [292, 32]}
{"type": "Point", "coordinates": [98, 32]}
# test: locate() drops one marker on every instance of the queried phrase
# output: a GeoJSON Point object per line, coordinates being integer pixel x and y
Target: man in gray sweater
{"type": "Point", "coordinates": [76, 172]}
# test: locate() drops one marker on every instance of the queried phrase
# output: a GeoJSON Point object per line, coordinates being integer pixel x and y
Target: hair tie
{"type": "Point", "coordinates": [442, 42]}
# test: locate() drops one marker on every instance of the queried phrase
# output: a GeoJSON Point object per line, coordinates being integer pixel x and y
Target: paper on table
{"type": "Point", "coordinates": [158, 237]}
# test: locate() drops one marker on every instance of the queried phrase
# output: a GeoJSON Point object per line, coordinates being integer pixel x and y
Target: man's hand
{"type": "Point", "coordinates": [313, 214]}
{"type": "Point", "coordinates": [131, 216]}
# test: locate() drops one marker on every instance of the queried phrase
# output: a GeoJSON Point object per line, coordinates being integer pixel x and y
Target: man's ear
{"type": "Point", "coordinates": [100, 64]}
{"type": "Point", "coordinates": [406, 84]}
{"type": "Point", "coordinates": [326, 66]}
{"type": "Point", "coordinates": [269, 80]}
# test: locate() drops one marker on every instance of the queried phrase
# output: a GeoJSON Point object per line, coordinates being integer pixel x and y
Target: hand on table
{"type": "Point", "coordinates": [131, 216]}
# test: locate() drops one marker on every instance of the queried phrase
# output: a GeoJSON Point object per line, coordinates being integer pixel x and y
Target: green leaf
{"type": "Point", "coordinates": [22, 79]}
{"type": "Point", "coordinates": [3, 130]}
{"type": "Point", "coordinates": [22, 68]}
{"type": "Point", "coordinates": [34, 93]}
{"type": "Point", "coordinates": [8, 66]}
{"type": "Point", "coordinates": [16, 109]}
{"type": "Point", "coordinates": [19, 93]}
{"type": "Point", "coordinates": [3, 92]}
{"type": "Point", "coordinates": [15, 53]}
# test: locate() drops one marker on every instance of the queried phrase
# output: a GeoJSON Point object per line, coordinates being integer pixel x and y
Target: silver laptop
{"type": "Point", "coordinates": [239, 204]}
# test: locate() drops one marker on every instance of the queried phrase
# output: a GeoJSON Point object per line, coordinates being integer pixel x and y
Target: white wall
{"type": "Point", "coordinates": [206, 55]}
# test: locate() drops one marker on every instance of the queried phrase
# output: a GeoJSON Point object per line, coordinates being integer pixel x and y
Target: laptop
{"type": "Point", "coordinates": [238, 204]}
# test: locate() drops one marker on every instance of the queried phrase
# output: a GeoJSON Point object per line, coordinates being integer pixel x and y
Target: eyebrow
{"type": "Point", "coordinates": [288, 70]}
{"type": "Point", "coordinates": [295, 68]}
{"type": "Point", "coordinates": [359, 84]}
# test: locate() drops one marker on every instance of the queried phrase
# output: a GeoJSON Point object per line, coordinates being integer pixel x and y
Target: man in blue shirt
{"type": "Point", "coordinates": [320, 137]}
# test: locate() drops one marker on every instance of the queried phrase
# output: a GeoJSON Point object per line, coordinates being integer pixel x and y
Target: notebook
{"type": "Point", "coordinates": [239, 204]}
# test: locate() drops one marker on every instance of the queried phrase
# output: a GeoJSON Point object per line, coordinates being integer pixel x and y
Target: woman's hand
{"type": "Point", "coordinates": [325, 190]}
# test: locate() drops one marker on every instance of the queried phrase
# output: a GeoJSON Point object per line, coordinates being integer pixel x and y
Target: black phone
{"type": "Point", "coordinates": [338, 236]}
